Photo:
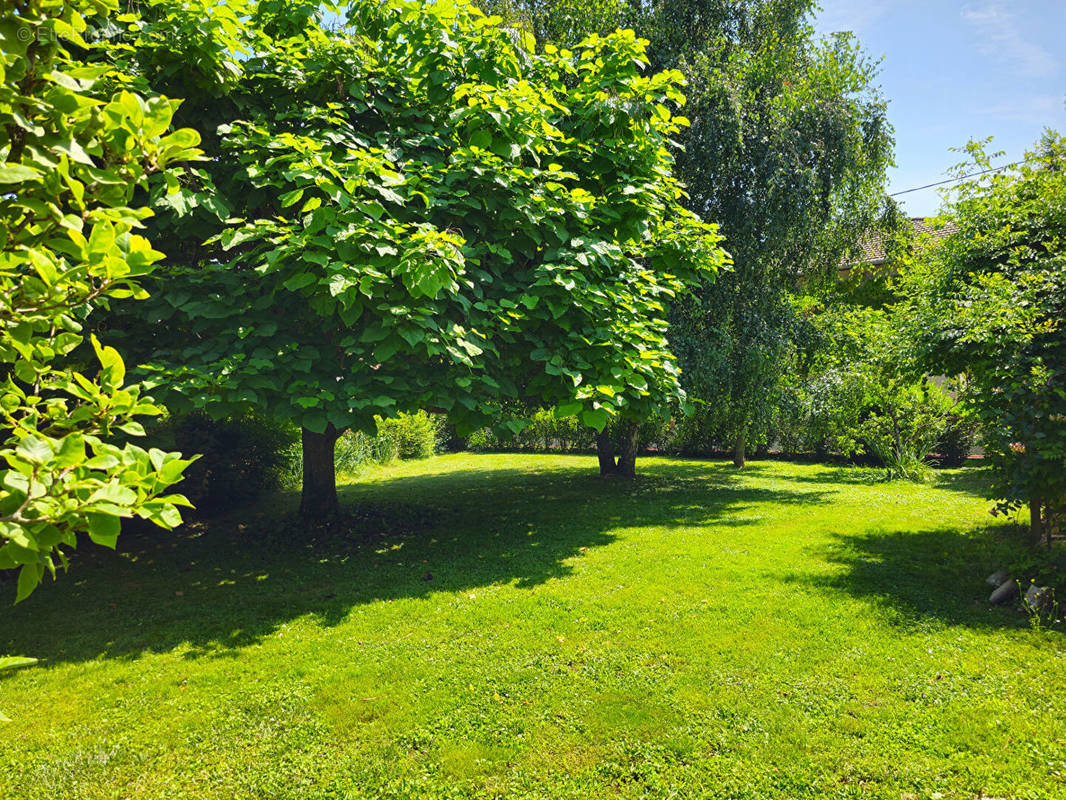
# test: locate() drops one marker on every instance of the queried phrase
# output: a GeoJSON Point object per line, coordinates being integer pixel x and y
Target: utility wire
{"type": "Point", "coordinates": [956, 180]}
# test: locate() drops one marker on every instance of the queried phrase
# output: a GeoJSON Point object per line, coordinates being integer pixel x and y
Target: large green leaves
{"type": "Point", "coordinates": [426, 213]}
{"type": "Point", "coordinates": [77, 147]}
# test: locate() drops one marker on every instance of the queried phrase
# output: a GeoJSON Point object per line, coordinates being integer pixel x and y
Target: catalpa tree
{"type": "Point", "coordinates": [75, 148]}
{"type": "Point", "coordinates": [415, 210]}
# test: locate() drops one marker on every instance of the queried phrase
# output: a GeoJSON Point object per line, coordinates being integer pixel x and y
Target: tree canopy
{"type": "Point", "coordinates": [415, 210]}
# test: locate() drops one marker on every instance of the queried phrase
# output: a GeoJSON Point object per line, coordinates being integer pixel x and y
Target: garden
{"type": "Point", "coordinates": [515, 399]}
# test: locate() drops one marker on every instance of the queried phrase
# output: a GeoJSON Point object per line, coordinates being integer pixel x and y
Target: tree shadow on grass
{"type": "Point", "coordinates": [968, 480]}
{"type": "Point", "coordinates": [917, 577]}
{"type": "Point", "coordinates": [215, 587]}
{"type": "Point", "coordinates": [972, 480]}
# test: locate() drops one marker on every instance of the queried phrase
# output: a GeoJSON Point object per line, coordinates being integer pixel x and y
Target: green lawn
{"type": "Point", "coordinates": [516, 626]}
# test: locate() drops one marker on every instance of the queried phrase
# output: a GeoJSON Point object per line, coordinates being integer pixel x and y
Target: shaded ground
{"type": "Point", "coordinates": [514, 625]}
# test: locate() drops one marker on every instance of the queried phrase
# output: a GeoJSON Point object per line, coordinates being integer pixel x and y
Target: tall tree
{"type": "Point", "coordinates": [77, 150]}
{"type": "Point", "coordinates": [787, 152]}
{"type": "Point", "coordinates": [415, 210]}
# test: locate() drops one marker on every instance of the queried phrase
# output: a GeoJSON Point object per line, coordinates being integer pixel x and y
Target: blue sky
{"type": "Point", "coordinates": [954, 70]}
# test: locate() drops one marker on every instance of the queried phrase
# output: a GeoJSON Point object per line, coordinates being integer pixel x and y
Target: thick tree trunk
{"type": "Point", "coordinates": [1036, 521]}
{"type": "Point", "coordinates": [318, 500]}
{"type": "Point", "coordinates": [738, 450]}
{"type": "Point", "coordinates": [605, 452]}
{"type": "Point", "coordinates": [627, 459]}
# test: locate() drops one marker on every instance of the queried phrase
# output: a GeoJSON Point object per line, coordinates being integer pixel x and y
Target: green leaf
{"type": "Point", "coordinates": [373, 208]}
{"type": "Point", "coordinates": [290, 198]}
{"type": "Point", "coordinates": [16, 662]}
{"type": "Point", "coordinates": [171, 471]}
{"type": "Point", "coordinates": [34, 449]}
{"type": "Point", "coordinates": [17, 173]}
{"type": "Point", "coordinates": [104, 529]}
{"type": "Point", "coordinates": [71, 451]}
{"type": "Point", "coordinates": [316, 422]}
{"type": "Point", "coordinates": [567, 410]}
{"type": "Point", "coordinates": [299, 281]}
{"type": "Point", "coordinates": [29, 577]}
{"type": "Point", "coordinates": [595, 418]}
{"type": "Point", "coordinates": [114, 370]}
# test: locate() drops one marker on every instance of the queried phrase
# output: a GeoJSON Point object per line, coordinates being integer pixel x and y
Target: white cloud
{"type": "Point", "coordinates": [998, 36]}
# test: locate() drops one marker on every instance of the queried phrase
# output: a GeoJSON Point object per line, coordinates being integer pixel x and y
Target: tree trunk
{"type": "Point", "coordinates": [318, 501]}
{"type": "Point", "coordinates": [1036, 522]}
{"type": "Point", "coordinates": [738, 450]}
{"type": "Point", "coordinates": [605, 452]}
{"type": "Point", "coordinates": [627, 459]}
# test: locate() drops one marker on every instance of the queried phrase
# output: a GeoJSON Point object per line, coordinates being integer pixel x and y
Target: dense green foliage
{"type": "Point", "coordinates": [76, 147]}
{"type": "Point", "coordinates": [546, 432]}
{"type": "Point", "coordinates": [864, 391]}
{"type": "Point", "coordinates": [413, 435]}
{"type": "Point", "coordinates": [415, 211]}
{"type": "Point", "coordinates": [513, 626]}
{"type": "Point", "coordinates": [787, 152]}
{"type": "Point", "coordinates": [994, 299]}
{"type": "Point", "coordinates": [239, 460]}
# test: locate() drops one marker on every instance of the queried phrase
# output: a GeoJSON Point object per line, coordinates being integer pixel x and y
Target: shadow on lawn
{"type": "Point", "coordinates": [921, 576]}
{"type": "Point", "coordinates": [968, 480]}
{"type": "Point", "coordinates": [216, 587]}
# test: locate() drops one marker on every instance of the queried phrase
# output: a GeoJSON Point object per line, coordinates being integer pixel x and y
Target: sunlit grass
{"type": "Point", "coordinates": [515, 626]}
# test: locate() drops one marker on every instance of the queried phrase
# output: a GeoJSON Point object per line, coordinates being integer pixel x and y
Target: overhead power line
{"type": "Point", "coordinates": [956, 180]}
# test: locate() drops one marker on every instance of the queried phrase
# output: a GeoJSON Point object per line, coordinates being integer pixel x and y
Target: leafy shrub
{"type": "Point", "coordinates": [415, 435]}
{"type": "Point", "coordinates": [483, 440]}
{"type": "Point", "coordinates": [448, 438]}
{"type": "Point", "coordinates": [543, 433]}
{"type": "Point", "coordinates": [241, 458]}
{"type": "Point", "coordinates": [356, 450]}
{"type": "Point", "coordinates": [864, 395]}
{"type": "Point", "coordinates": [958, 440]}
{"type": "Point", "coordinates": [904, 426]}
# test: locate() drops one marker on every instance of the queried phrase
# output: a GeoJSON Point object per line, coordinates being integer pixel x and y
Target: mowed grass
{"type": "Point", "coordinates": [516, 626]}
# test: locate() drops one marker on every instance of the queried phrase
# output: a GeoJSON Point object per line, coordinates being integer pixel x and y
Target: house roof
{"type": "Point", "coordinates": [873, 245]}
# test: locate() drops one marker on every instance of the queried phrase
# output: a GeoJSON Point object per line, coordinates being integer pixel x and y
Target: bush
{"type": "Point", "coordinates": [483, 440]}
{"type": "Point", "coordinates": [543, 434]}
{"type": "Point", "coordinates": [240, 458]}
{"type": "Point", "coordinates": [958, 441]}
{"type": "Point", "coordinates": [448, 438]}
{"type": "Point", "coordinates": [414, 435]}
{"type": "Point", "coordinates": [356, 450]}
